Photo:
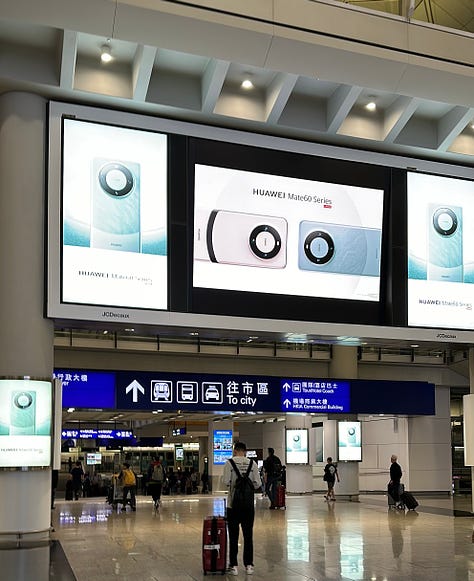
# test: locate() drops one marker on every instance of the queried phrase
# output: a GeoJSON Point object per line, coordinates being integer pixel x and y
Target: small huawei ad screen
{"type": "Point", "coordinates": [273, 234]}
{"type": "Point", "coordinates": [25, 423]}
{"type": "Point", "coordinates": [114, 246]}
{"type": "Point", "coordinates": [440, 251]}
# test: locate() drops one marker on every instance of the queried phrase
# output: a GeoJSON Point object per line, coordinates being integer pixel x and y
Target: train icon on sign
{"type": "Point", "coordinates": [161, 391]}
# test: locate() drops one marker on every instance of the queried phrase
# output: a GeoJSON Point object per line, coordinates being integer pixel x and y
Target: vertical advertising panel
{"type": "Point", "coordinates": [266, 233]}
{"type": "Point", "coordinates": [114, 216]}
{"type": "Point", "coordinates": [349, 441]}
{"type": "Point", "coordinates": [297, 451]}
{"type": "Point", "coordinates": [440, 251]}
{"type": "Point", "coordinates": [25, 423]}
{"type": "Point", "coordinates": [222, 446]}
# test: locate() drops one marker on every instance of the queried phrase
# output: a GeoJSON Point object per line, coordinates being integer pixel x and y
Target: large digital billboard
{"type": "Point", "coordinates": [263, 233]}
{"type": "Point", "coordinates": [114, 216]}
{"type": "Point", "coordinates": [25, 423]}
{"type": "Point", "coordinates": [440, 251]}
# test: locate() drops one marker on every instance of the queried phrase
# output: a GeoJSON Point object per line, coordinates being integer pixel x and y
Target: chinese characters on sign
{"type": "Point", "coordinates": [315, 396]}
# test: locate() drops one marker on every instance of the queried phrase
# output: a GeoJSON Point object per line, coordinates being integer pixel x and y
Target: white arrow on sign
{"type": "Point", "coordinates": [286, 387]}
{"type": "Point", "coordinates": [287, 403]}
{"type": "Point", "coordinates": [135, 387]}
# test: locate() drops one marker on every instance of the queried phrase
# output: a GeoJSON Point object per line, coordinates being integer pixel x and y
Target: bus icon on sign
{"type": "Point", "coordinates": [187, 392]}
{"type": "Point", "coordinates": [161, 391]}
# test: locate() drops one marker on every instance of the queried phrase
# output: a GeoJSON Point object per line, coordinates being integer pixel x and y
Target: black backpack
{"type": "Point", "coordinates": [244, 491]}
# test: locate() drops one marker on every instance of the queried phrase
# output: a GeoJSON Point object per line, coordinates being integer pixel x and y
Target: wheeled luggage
{"type": "Point", "coordinates": [280, 500]}
{"type": "Point", "coordinates": [409, 500]}
{"type": "Point", "coordinates": [392, 503]}
{"type": "Point", "coordinates": [214, 545]}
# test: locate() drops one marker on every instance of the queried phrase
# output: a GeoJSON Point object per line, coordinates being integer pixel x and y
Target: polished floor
{"type": "Point", "coordinates": [312, 540]}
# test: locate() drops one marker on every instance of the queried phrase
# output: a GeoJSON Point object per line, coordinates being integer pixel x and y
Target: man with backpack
{"type": "Point", "coordinates": [242, 478]}
{"type": "Point", "coordinates": [156, 475]}
{"type": "Point", "coordinates": [129, 482]}
{"type": "Point", "coordinates": [273, 473]}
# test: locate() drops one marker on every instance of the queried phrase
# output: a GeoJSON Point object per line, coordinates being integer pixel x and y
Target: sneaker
{"type": "Point", "coordinates": [325, 497]}
{"type": "Point", "coordinates": [249, 570]}
{"type": "Point", "coordinates": [232, 571]}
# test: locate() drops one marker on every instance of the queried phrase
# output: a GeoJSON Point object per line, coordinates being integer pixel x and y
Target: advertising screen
{"type": "Point", "coordinates": [297, 451]}
{"type": "Point", "coordinates": [440, 251]}
{"type": "Point", "coordinates": [93, 458]}
{"type": "Point", "coordinates": [179, 453]}
{"type": "Point", "coordinates": [25, 423]}
{"type": "Point", "coordinates": [349, 441]}
{"type": "Point", "coordinates": [114, 216]}
{"type": "Point", "coordinates": [266, 233]}
{"type": "Point", "coordinates": [222, 446]}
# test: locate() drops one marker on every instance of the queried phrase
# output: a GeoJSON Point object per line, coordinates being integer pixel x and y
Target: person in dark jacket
{"type": "Point", "coordinates": [395, 477]}
{"type": "Point", "coordinates": [272, 468]}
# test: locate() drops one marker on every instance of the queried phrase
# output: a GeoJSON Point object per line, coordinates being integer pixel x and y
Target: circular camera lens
{"type": "Point", "coordinates": [23, 400]}
{"type": "Point", "coordinates": [445, 221]}
{"type": "Point", "coordinates": [265, 241]}
{"type": "Point", "coordinates": [351, 431]}
{"type": "Point", "coordinates": [319, 247]}
{"type": "Point", "coordinates": [116, 179]}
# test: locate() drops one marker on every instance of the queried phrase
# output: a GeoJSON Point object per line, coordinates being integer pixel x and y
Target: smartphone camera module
{"type": "Point", "coordinates": [23, 413]}
{"type": "Point", "coordinates": [246, 239]}
{"type": "Point", "coordinates": [319, 247]}
{"type": "Point", "coordinates": [116, 179]}
{"type": "Point", "coordinates": [265, 242]}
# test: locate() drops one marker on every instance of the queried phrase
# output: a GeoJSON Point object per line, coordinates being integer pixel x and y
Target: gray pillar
{"type": "Point", "coordinates": [343, 365]}
{"type": "Point", "coordinates": [26, 338]}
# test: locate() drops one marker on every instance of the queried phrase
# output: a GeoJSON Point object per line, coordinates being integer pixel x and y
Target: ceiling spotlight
{"type": "Point", "coordinates": [105, 53]}
{"type": "Point", "coordinates": [371, 106]}
{"type": "Point", "coordinates": [247, 84]}
{"type": "Point", "coordinates": [70, 410]}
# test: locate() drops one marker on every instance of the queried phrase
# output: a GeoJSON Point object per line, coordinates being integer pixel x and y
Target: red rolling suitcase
{"type": "Point", "coordinates": [280, 500]}
{"type": "Point", "coordinates": [214, 545]}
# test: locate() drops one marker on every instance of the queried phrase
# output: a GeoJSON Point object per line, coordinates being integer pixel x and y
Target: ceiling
{"type": "Point", "coordinates": [314, 66]}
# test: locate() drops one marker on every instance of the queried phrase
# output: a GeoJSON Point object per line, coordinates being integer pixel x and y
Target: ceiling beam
{"type": "Point", "coordinates": [339, 106]}
{"type": "Point", "coordinates": [397, 116]}
{"type": "Point", "coordinates": [212, 83]}
{"type": "Point", "coordinates": [278, 94]}
{"type": "Point", "coordinates": [451, 125]}
{"type": "Point", "coordinates": [142, 69]}
{"type": "Point", "coordinates": [68, 59]}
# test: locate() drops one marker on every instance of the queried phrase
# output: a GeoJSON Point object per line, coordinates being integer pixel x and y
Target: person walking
{"type": "Point", "coordinates": [242, 478]}
{"type": "Point", "coordinates": [77, 474]}
{"type": "Point", "coordinates": [395, 477]}
{"type": "Point", "coordinates": [129, 482]}
{"type": "Point", "coordinates": [156, 474]}
{"type": "Point", "coordinates": [273, 471]}
{"type": "Point", "coordinates": [330, 476]}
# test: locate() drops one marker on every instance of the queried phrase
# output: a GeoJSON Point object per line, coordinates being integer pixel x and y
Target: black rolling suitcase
{"type": "Point", "coordinates": [409, 500]}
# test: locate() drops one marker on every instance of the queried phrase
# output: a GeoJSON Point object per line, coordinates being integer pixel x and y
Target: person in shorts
{"type": "Point", "coordinates": [330, 477]}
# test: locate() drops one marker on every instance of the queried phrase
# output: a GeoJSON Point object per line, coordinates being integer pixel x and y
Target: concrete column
{"type": "Point", "coordinates": [26, 338]}
{"type": "Point", "coordinates": [343, 365]}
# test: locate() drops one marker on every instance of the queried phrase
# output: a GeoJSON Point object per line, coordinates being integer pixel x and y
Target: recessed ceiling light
{"type": "Point", "coordinates": [371, 106]}
{"type": "Point", "coordinates": [247, 84]}
{"type": "Point", "coordinates": [414, 345]}
{"type": "Point", "coordinates": [70, 410]}
{"type": "Point", "coordinates": [130, 330]}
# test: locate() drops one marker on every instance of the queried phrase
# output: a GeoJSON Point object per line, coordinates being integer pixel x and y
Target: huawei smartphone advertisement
{"type": "Point", "coordinates": [440, 251]}
{"type": "Point", "coordinates": [222, 446]}
{"type": "Point", "coordinates": [264, 233]}
{"type": "Point", "coordinates": [297, 451]}
{"type": "Point", "coordinates": [349, 441]}
{"type": "Point", "coordinates": [25, 423]}
{"type": "Point", "coordinates": [114, 216]}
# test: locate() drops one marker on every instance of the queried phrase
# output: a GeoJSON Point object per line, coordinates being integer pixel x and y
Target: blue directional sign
{"type": "Point", "coordinates": [90, 433]}
{"type": "Point", "coordinates": [315, 395]}
{"type": "Point", "coordinates": [87, 389]}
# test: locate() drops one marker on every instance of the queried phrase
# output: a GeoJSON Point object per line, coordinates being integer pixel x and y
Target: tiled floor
{"type": "Point", "coordinates": [312, 540]}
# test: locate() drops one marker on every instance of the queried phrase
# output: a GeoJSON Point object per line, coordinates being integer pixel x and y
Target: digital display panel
{"type": "Point", "coordinates": [259, 232]}
{"type": "Point", "coordinates": [179, 453]}
{"type": "Point", "coordinates": [25, 423]}
{"type": "Point", "coordinates": [222, 446]}
{"type": "Point", "coordinates": [93, 458]}
{"type": "Point", "coordinates": [297, 446]}
{"type": "Point", "coordinates": [114, 216]}
{"type": "Point", "coordinates": [440, 251]}
{"type": "Point", "coordinates": [349, 441]}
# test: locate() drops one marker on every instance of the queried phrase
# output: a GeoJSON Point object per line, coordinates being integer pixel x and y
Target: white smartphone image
{"type": "Point", "coordinates": [246, 239]}
{"type": "Point", "coordinates": [445, 243]}
{"type": "Point", "coordinates": [115, 205]}
{"type": "Point", "coordinates": [339, 248]}
{"type": "Point", "coordinates": [23, 413]}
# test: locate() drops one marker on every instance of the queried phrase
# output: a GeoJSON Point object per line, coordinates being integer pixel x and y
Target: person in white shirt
{"type": "Point", "coordinates": [244, 518]}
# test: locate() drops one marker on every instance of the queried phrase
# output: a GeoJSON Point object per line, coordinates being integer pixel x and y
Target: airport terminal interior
{"type": "Point", "coordinates": [291, 266]}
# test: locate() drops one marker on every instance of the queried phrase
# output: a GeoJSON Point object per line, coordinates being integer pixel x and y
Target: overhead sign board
{"type": "Point", "coordinates": [315, 395]}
